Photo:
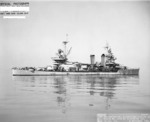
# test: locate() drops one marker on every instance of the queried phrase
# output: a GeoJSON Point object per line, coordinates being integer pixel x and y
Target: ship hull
{"type": "Point", "coordinates": [17, 72]}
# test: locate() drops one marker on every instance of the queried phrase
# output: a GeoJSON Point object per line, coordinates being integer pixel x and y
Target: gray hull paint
{"type": "Point", "coordinates": [16, 72]}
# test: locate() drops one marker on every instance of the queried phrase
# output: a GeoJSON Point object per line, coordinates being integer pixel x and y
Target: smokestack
{"type": "Point", "coordinates": [103, 60]}
{"type": "Point", "coordinates": [92, 58]}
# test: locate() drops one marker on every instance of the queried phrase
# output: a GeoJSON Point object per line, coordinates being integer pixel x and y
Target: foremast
{"type": "Point", "coordinates": [110, 58]}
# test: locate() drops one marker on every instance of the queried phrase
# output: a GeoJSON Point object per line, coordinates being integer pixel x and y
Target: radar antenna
{"type": "Point", "coordinates": [110, 57]}
{"type": "Point", "coordinates": [65, 43]}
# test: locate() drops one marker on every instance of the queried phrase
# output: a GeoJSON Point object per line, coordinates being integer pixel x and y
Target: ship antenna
{"type": "Point", "coordinates": [65, 43]}
{"type": "Point", "coordinates": [107, 46]}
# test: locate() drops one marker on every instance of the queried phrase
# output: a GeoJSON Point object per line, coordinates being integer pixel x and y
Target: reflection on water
{"type": "Point", "coordinates": [71, 98]}
{"type": "Point", "coordinates": [64, 88]}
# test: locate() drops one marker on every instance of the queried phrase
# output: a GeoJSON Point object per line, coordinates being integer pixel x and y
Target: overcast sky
{"type": "Point", "coordinates": [34, 40]}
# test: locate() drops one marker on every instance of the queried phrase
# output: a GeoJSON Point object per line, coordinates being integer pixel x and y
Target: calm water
{"type": "Point", "coordinates": [71, 98]}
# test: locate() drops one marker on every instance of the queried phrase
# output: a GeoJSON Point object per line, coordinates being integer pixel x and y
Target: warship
{"type": "Point", "coordinates": [62, 66]}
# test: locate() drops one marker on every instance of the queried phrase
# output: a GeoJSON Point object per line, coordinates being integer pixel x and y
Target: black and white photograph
{"type": "Point", "coordinates": [74, 61]}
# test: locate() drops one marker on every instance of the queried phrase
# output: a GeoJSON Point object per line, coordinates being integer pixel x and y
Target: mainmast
{"type": "Point", "coordinates": [65, 43]}
{"type": "Point", "coordinates": [62, 54]}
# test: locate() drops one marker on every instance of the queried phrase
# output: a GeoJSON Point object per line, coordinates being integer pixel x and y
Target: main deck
{"type": "Point", "coordinates": [17, 72]}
